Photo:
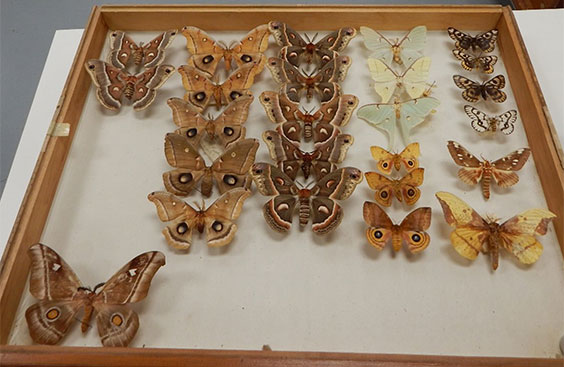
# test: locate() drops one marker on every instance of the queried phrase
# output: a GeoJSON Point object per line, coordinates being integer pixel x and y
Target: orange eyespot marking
{"type": "Point", "coordinates": [52, 314]}
{"type": "Point", "coordinates": [117, 320]}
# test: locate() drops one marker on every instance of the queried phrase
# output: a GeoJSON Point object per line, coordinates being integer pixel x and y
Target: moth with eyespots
{"type": "Point", "coordinates": [388, 161]}
{"type": "Point", "coordinates": [485, 41]}
{"type": "Point", "coordinates": [297, 50]}
{"type": "Point", "coordinates": [317, 203]}
{"type": "Point", "coordinates": [218, 220]}
{"type": "Point", "coordinates": [405, 188]}
{"type": "Point", "coordinates": [411, 230]}
{"type": "Point", "coordinates": [502, 170]}
{"type": "Point", "coordinates": [123, 49]}
{"type": "Point", "coordinates": [61, 296]}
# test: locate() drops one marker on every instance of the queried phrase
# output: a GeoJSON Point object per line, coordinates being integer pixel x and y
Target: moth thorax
{"type": "Point", "coordinates": [304, 206]}
{"type": "Point", "coordinates": [227, 57]}
{"type": "Point", "coordinates": [493, 124]}
{"type": "Point", "coordinates": [207, 182]}
{"type": "Point", "coordinates": [129, 90]}
{"type": "Point", "coordinates": [396, 238]}
{"type": "Point", "coordinates": [396, 49]}
{"type": "Point", "coordinates": [310, 48]}
{"type": "Point", "coordinates": [138, 56]}
{"type": "Point", "coordinates": [210, 129]}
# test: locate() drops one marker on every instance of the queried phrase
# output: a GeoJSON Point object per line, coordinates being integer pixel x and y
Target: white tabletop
{"type": "Point", "coordinates": [538, 27]}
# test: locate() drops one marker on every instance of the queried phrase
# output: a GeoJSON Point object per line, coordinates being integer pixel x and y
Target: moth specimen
{"type": "Point", "coordinates": [402, 51]}
{"type": "Point", "coordinates": [473, 170]}
{"type": "Point", "coordinates": [403, 188]}
{"type": "Point", "coordinates": [229, 170]}
{"type": "Point", "coordinates": [323, 82]}
{"type": "Point", "coordinates": [317, 203]}
{"type": "Point", "coordinates": [61, 296]}
{"type": "Point", "coordinates": [387, 81]}
{"type": "Point", "coordinates": [330, 149]}
{"type": "Point", "coordinates": [481, 63]}
{"type": "Point", "coordinates": [200, 89]}
{"type": "Point", "coordinates": [123, 49]}
{"type": "Point", "coordinates": [411, 230]}
{"type": "Point", "coordinates": [112, 84]}
{"type": "Point", "coordinates": [483, 123]}
{"type": "Point", "coordinates": [207, 53]}
{"type": "Point", "coordinates": [408, 114]}
{"type": "Point", "coordinates": [484, 42]}
{"type": "Point", "coordinates": [280, 109]}
{"type": "Point", "coordinates": [490, 89]}
{"type": "Point", "coordinates": [387, 161]}
{"type": "Point", "coordinates": [474, 234]}
{"type": "Point", "coordinates": [217, 220]}
{"type": "Point", "coordinates": [226, 128]}
{"type": "Point", "coordinates": [297, 50]}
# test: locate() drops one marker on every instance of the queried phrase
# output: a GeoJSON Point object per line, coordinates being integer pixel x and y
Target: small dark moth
{"type": "Point", "coordinates": [485, 42]}
{"type": "Point", "coordinates": [473, 90]}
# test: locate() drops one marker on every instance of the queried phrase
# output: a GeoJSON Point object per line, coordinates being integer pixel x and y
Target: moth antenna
{"type": "Point", "coordinates": [299, 184]}
{"type": "Point", "coordinates": [307, 38]}
{"type": "Point", "coordinates": [314, 37]}
{"type": "Point", "coordinates": [307, 186]}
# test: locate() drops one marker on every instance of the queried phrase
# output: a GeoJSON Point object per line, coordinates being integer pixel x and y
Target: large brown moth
{"type": "Point", "coordinates": [473, 170]}
{"type": "Point", "coordinates": [317, 203]}
{"type": "Point", "coordinates": [411, 230]}
{"type": "Point", "coordinates": [123, 49]}
{"type": "Point", "coordinates": [61, 296]}
{"type": "Point", "coordinates": [112, 84]}
{"type": "Point", "coordinates": [200, 89]}
{"type": "Point", "coordinates": [280, 109]}
{"type": "Point", "coordinates": [481, 63]}
{"type": "Point", "coordinates": [207, 53]}
{"type": "Point", "coordinates": [297, 50]}
{"type": "Point", "coordinates": [217, 220]}
{"type": "Point", "coordinates": [323, 82]}
{"type": "Point", "coordinates": [483, 123]}
{"type": "Point", "coordinates": [473, 234]}
{"type": "Point", "coordinates": [330, 149]}
{"type": "Point", "coordinates": [489, 89]}
{"type": "Point", "coordinates": [485, 42]}
{"type": "Point", "coordinates": [403, 188]}
{"type": "Point", "coordinates": [226, 128]}
{"type": "Point", "coordinates": [229, 170]}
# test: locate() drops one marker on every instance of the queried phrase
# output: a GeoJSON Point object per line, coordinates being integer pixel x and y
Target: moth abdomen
{"type": "Point", "coordinates": [304, 212]}
{"type": "Point", "coordinates": [129, 90]}
{"type": "Point", "coordinates": [486, 182]}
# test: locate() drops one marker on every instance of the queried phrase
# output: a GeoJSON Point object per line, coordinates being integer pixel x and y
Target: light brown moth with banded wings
{"type": "Point", "coordinates": [217, 220]}
{"type": "Point", "coordinates": [411, 230]}
{"type": "Point", "coordinates": [229, 170]}
{"type": "Point", "coordinates": [330, 149]}
{"type": "Point", "coordinates": [473, 234]}
{"type": "Point", "coordinates": [207, 53]}
{"type": "Point", "coordinates": [323, 82]}
{"type": "Point", "coordinates": [388, 161]}
{"type": "Point", "coordinates": [297, 50]}
{"type": "Point", "coordinates": [123, 49]}
{"type": "Point", "coordinates": [280, 110]}
{"type": "Point", "coordinates": [61, 296]}
{"type": "Point", "coordinates": [200, 89]}
{"type": "Point", "coordinates": [226, 128]}
{"type": "Point", "coordinates": [112, 84]}
{"type": "Point", "coordinates": [317, 203]}
{"type": "Point", "coordinates": [502, 170]}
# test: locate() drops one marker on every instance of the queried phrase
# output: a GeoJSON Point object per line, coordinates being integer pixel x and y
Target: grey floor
{"type": "Point", "coordinates": [26, 31]}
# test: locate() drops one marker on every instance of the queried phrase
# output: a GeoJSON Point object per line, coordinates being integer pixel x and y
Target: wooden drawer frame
{"type": "Point", "coordinates": [37, 201]}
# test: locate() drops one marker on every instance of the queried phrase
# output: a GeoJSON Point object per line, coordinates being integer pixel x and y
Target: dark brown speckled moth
{"type": "Point", "coordinates": [112, 84]}
{"type": "Point", "coordinates": [61, 296]}
{"type": "Point", "coordinates": [229, 170]}
{"type": "Point", "coordinates": [317, 203]}
{"type": "Point", "coordinates": [217, 220]}
{"type": "Point", "coordinates": [124, 50]}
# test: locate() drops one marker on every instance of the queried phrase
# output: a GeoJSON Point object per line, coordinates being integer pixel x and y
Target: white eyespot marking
{"type": "Point", "coordinates": [187, 150]}
{"type": "Point", "coordinates": [56, 267]}
{"type": "Point", "coordinates": [124, 54]}
{"type": "Point", "coordinates": [132, 272]}
{"type": "Point", "coordinates": [292, 130]}
{"type": "Point", "coordinates": [323, 209]}
{"type": "Point", "coordinates": [233, 155]}
{"type": "Point", "coordinates": [115, 89]}
{"type": "Point", "coordinates": [204, 39]}
{"type": "Point", "coordinates": [282, 207]}
{"type": "Point", "coordinates": [173, 203]}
